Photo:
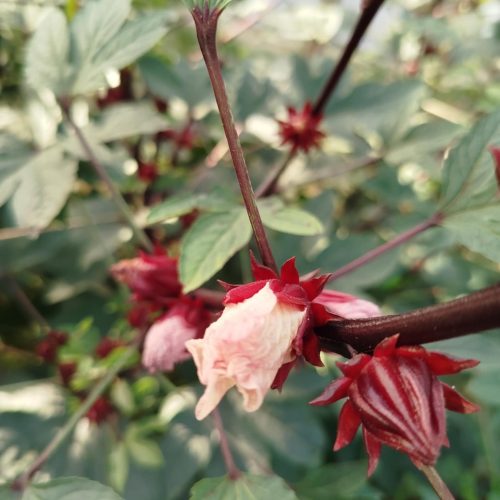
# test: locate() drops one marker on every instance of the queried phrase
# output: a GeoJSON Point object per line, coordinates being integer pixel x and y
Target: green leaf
{"type": "Point", "coordinates": [118, 466]}
{"type": "Point", "coordinates": [342, 479]}
{"type": "Point", "coordinates": [290, 220]}
{"type": "Point", "coordinates": [477, 229]}
{"type": "Point", "coordinates": [212, 4]}
{"type": "Point", "coordinates": [122, 396]}
{"type": "Point", "coordinates": [47, 53]}
{"type": "Point", "coordinates": [70, 488]}
{"type": "Point", "coordinates": [125, 120]}
{"type": "Point", "coordinates": [145, 452]}
{"type": "Point", "coordinates": [469, 175]}
{"type": "Point", "coordinates": [175, 206]}
{"type": "Point", "coordinates": [45, 183]}
{"type": "Point", "coordinates": [210, 242]}
{"type": "Point", "coordinates": [246, 487]}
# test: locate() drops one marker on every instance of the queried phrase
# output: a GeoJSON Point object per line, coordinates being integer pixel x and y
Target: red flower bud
{"type": "Point", "coordinates": [147, 172]}
{"type": "Point", "coordinates": [106, 346]}
{"type": "Point", "coordinates": [100, 410]}
{"type": "Point", "coordinates": [48, 347]}
{"type": "Point", "coordinates": [495, 153]}
{"type": "Point", "coordinates": [397, 398]}
{"type": "Point", "coordinates": [151, 278]}
{"type": "Point", "coordinates": [66, 372]}
{"type": "Point", "coordinates": [301, 129]}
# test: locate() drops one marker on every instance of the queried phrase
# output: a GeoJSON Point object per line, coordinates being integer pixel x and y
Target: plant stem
{"type": "Point", "coordinates": [22, 481]}
{"type": "Point", "coordinates": [364, 21]}
{"type": "Point", "coordinates": [206, 29]}
{"type": "Point", "coordinates": [121, 204]}
{"type": "Point", "coordinates": [366, 17]}
{"type": "Point", "coordinates": [473, 313]}
{"type": "Point", "coordinates": [25, 303]}
{"type": "Point", "coordinates": [385, 247]}
{"type": "Point", "coordinates": [232, 471]}
{"type": "Point", "coordinates": [436, 482]}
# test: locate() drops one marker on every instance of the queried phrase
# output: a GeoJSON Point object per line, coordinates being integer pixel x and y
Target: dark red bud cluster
{"type": "Point", "coordinates": [48, 347]}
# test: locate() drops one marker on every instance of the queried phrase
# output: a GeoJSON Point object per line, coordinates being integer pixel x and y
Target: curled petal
{"type": "Point", "coordinates": [372, 446]}
{"type": "Point", "coordinates": [455, 402]}
{"type": "Point", "coordinates": [349, 422]}
{"type": "Point", "coordinates": [334, 391]}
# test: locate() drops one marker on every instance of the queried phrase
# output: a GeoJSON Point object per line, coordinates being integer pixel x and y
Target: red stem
{"type": "Point", "coordinates": [362, 25]}
{"type": "Point", "coordinates": [206, 29]}
{"type": "Point", "coordinates": [385, 247]}
{"type": "Point", "coordinates": [473, 313]}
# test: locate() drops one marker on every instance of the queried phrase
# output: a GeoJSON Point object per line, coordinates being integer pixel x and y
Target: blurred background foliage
{"type": "Point", "coordinates": [425, 73]}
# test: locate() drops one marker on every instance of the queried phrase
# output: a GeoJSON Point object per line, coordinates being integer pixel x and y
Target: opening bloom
{"type": "Point", "coordinates": [396, 396]}
{"type": "Point", "coordinates": [301, 129]}
{"type": "Point", "coordinates": [264, 328]}
{"type": "Point", "coordinates": [164, 346]}
{"type": "Point", "coordinates": [151, 278]}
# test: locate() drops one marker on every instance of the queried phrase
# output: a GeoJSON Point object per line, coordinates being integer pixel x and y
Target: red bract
{"type": "Point", "coordinates": [301, 129]}
{"type": "Point", "coordinates": [495, 153]}
{"type": "Point", "coordinates": [106, 346]}
{"type": "Point", "coordinates": [152, 279]}
{"type": "Point", "coordinates": [100, 411]}
{"type": "Point", "coordinates": [47, 348]}
{"type": "Point", "coordinates": [397, 398]}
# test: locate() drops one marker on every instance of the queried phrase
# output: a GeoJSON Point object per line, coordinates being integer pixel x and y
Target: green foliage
{"type": "Point", "coordinates": [246, 487]}
{"type": "Point", "coordinates": [69, 488]}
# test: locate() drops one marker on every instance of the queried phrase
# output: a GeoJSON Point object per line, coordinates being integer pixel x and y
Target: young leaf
{"type": "Point", "coordinates": [70, 487]}
{"type": "Point", "coordinates": [246, 487]}
{"type": "Point", "coordinates": [45, 183]}
{"type": "Point", "coordinates": [175, 206]}
{"type": "Point", "coordinates": [47, 53]}
{"type": "Point", "coordinates": [290, 220]}
{"type": "Point", "coordinates": [469, 176]}
{"type": "Point", "coordinates": [210, 242]}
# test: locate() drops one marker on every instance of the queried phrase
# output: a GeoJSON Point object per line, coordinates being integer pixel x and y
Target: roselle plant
{"type": "Point", "coordinates": [179, 297]}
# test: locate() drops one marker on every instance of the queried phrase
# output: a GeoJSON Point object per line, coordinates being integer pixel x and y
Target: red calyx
{"type": "Point", "coordinates": [48, 347]}
{"type": "Point", "coordinates": [100, 411]}
{"type": "Point", "coordinates": [106, 346]}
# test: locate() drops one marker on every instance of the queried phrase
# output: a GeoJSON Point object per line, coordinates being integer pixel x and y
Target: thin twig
{"type": "Point", "coordinates": [232, 471]}
{"type": "Point", "coordinates": [24, 301]}
{"type": "Point", "coordinates": [268, 185]}
{"type": "Point", "coordinates": [389, 245]}
{"type": "Point", "coordinates": [206, 30]}
{"type": "Point", "coordinates": [474, 313]}
{"type": "Point", "coordinates": [364, 21]}
{"type": "Point", "coordinates": [22, 481]}
{"type": "Point", "coordinates": [101, 172]}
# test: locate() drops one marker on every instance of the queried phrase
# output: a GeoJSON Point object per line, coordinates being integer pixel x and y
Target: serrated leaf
{"type": "Point", "coordinates": [47, 53]}
{"type": "Point", "coordinates": [290, 220]}
{"type": "Point", "coordinates": [246, 487]}
{"type": "Point", "coordinates": [210, 242]}
{"type": "Point", "coordinates": [469, 175]}
{"type": "Point", "coordinates": [70, 488]}
{"type": "Point", "coordinates": [477, 229]}
{"type": "Point", "coordinates": [45, 183]}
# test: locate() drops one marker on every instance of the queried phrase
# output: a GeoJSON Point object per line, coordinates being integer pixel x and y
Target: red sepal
{"type": "Point", "coordinates": [314, 286]}
{"type": "Point", "coordinates": [243, 292]}
{"type": "Point", "coordinates": [387, 347]}
{"type": "Point", "coordinates": [282, 375]}
{"type": "Point", "coordinates": [348, 424]}
{"type": "Point", "coordinates": [333, 392]}
{"type": "Point", "coordinates": [311, 348]}
{"type": "Point", "coordinates": [372, 446]}
{"type": "Point", "coordinates": [289, 273]}
{"type": "Point", "coordinates": [442, 364]}
{"type": "Point", "coordinates": [259, 271]}
{"type": "Point", "coordinates": [353, 367]}
{"type": "Point", "coordinates": [454, 402]}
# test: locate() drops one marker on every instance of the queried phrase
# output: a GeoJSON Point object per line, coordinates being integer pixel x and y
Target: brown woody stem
{"type": "Point", "coordinates": [473, 313]}
{"type": "Point", "coordinates": [121, 204]}
{"type": "Point", "coordinates": [206, 29]}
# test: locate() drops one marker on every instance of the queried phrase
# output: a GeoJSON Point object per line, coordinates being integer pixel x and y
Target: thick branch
{"type": "Point", "coordinates": [473, 313]}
